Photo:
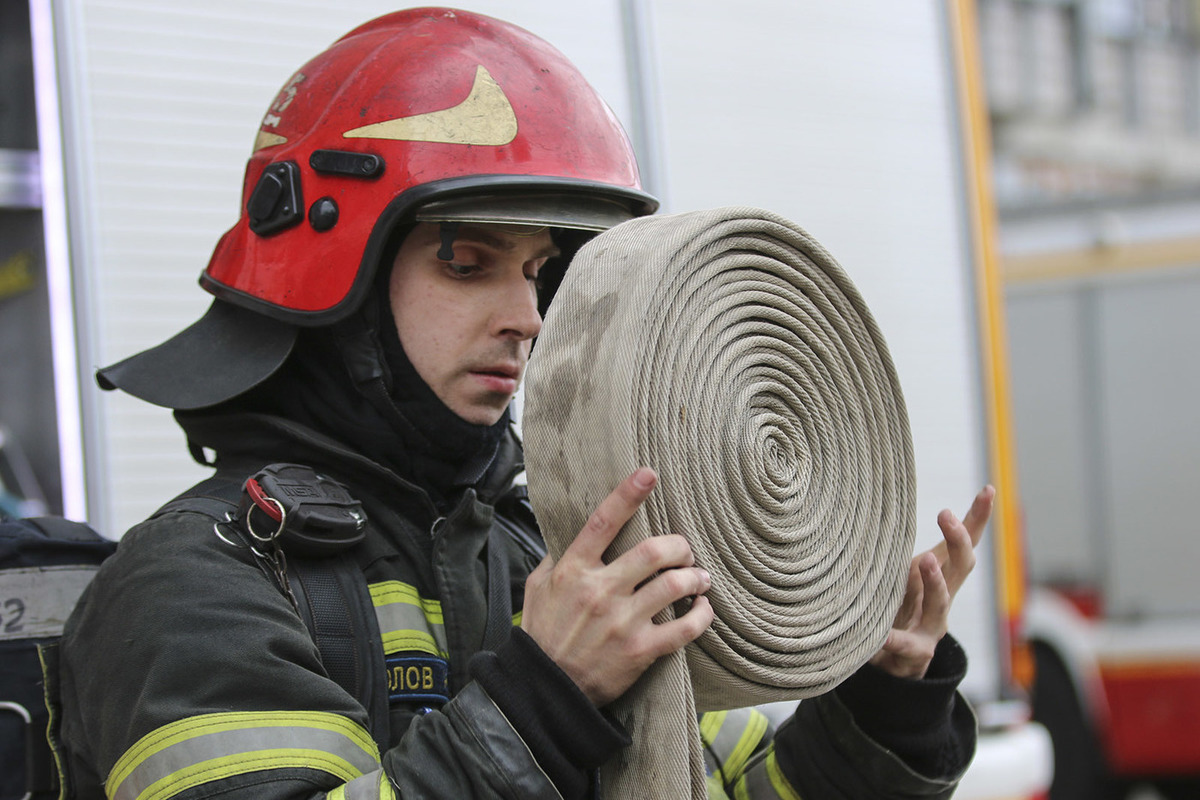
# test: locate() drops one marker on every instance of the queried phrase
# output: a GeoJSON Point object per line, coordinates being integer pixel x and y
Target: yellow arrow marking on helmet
{"type": "Point", "coordinates": [484, 118]}
{"type": "Point", "coordinates": [268, 139]}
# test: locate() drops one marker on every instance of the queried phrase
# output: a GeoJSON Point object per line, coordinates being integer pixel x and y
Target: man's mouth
{"type": "Point", "coordinates": [500, 378]}
{"type": "Point", "coordinates": [512, 372]}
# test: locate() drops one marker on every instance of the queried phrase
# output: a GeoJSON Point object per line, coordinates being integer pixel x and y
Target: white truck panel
{"type": "Point", "coordinates": [1149, 382]}
{"type": "Point", "coordinates": [1049, 386]}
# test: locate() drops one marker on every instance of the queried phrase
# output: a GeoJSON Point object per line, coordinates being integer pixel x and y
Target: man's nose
{"type": "Point", "coordinates": [518, 315]}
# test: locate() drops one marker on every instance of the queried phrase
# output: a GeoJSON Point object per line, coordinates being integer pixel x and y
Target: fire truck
{"type": "Point", "coordinates": [1101, 301]}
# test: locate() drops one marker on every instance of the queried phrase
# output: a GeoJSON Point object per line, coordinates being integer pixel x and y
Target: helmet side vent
{"type": "Point", "coordinates": [276, 203]}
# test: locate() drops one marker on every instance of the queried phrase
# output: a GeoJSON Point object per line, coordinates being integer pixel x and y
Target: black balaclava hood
{"type": "Point", "coordinates": [353, 382]}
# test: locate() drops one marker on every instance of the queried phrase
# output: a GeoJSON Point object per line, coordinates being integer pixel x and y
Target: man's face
{"type": "Point", "coordinates": [467, 324]}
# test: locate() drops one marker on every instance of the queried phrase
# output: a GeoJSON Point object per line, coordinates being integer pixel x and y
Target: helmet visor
{"type": "Point", "coordinates": [575, 212]}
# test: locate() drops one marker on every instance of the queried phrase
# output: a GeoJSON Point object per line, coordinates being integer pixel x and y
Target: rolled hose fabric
{"type": "Point", "coordinates": [729, 351]}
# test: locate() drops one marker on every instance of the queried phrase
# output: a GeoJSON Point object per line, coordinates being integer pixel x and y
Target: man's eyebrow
{"type": "Point", "coordinates": [481, 235]}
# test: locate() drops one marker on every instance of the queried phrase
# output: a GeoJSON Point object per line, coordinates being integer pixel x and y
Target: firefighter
{"type": "Point", "coordinates": [414, 195]}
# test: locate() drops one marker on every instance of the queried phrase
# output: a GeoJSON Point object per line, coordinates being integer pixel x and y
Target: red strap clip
{"type": "Point", "coordinates": [265, 503]}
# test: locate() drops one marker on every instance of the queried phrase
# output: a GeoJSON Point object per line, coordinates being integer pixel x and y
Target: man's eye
{"type": "Point", "coordinates": [462, 270]}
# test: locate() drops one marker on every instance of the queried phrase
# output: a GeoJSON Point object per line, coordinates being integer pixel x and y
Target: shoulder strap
{"type": "Point", "coordinates": [333, 600]}
{"type": "Point", "coordinates": [335, 604]}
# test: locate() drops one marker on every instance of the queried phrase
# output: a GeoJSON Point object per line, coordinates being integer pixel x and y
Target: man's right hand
{"type": "Point", "coordinates": [595, 619]}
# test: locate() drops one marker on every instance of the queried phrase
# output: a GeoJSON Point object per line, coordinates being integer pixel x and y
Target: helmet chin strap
{"type": "Point", "coordinates": [449, 232]}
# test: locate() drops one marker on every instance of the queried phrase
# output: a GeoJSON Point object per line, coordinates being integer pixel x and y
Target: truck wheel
{"type": "Point", "coordinates": [1079, 769]}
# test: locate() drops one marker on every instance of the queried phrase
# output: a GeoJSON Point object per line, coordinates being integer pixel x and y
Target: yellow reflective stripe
{"type": "Point", "coordinates": [779, 783]}
{"type": "Point", "coordinates": [517, 620]}
{"type": "Point", "coordinates": [404, 641]}
{"type": "Point", "coordinates": [209, 747]}
{"type": "Point", "coordinates": [408, 621]}
{"type": "Point", "coordinates": [732, 737]}
{"type": "Point", "coordinates": [765, 781]}
{"type": "Point", "coordinates": [710, 725]}
{"type": "Point", "coordinates": [751, 736]}
{"type": "Point", "coordinates": [389, 592]}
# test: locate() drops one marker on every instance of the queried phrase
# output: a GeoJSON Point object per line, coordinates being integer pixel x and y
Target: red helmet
{"type": "Point", "coordinates": [429, 113]}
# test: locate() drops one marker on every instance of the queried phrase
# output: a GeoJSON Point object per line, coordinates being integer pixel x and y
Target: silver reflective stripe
{"type": "Point", "coordinates": [407, 621]}
{"type": "Point", "coordinates": [372, 786]}
{"type": "Point", "coordinates": [36, 601]}
{"type": "Point", "coordinates": [207, 748]}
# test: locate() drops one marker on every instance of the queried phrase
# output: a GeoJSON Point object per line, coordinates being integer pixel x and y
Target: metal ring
{"type": "Point", "coordinates": [217, 530]}
{"type": "Point", "coordinates": [278, 531]}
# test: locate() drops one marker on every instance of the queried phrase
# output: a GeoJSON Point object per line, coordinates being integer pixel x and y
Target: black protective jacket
{"type": "Point", "coordinates": [187, 673]}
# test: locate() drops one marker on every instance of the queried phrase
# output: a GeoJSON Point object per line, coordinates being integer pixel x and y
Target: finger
{"type": "Point", "coordinates": [911, 606]}
{"type": "Point", "coordinates": [674, 634]}
{"type": "Point", "coordinates": [960, 549]}
{"type": "Point", "coordinates": [977, 516]}
{"type": "Point", "coordinates": [935, 605]}
{"type": "Point", "coordinates": [975, 521]}
{"type": "Point", "coordinates": [611, 515]}
{"type": "Point", "coordinates": [670, 587]}
{"type": "Point", "coordinates": [648, 557]}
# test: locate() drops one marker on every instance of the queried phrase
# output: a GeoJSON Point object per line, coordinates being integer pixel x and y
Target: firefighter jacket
{"type": "Point", "coordinates": [187, 673]}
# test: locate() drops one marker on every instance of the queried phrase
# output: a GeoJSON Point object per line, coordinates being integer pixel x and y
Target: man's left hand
{"type": "Point", "coordinates": [934, 577]}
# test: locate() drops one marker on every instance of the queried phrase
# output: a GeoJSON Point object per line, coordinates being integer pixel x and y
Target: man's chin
{"type": "Point", "coordinates": [482, 413]}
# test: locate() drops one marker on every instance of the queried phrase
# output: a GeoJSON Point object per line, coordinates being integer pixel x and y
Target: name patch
{"type": "Point", "coordinates": [423, 679]}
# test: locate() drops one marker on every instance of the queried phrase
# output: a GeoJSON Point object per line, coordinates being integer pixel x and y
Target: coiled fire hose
{"type": "Point", "coordinates": [729, 351]}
